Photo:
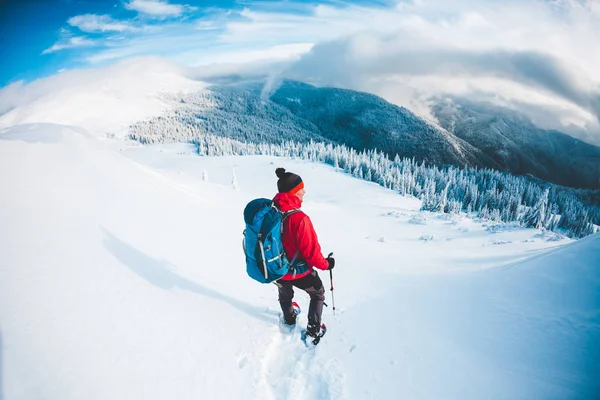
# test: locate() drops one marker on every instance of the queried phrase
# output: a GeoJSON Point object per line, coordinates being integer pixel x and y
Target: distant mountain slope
{"type": "Point", "coordinates": [236, 111]}
{"type": "Point", "coordinates": [520, 147]}
{"type": "Point", "coordinates": [473, 135]}
{"type": "Point", "coordinates": [365, 121]}
{"type": "Point", "coordinates": [301, 112]}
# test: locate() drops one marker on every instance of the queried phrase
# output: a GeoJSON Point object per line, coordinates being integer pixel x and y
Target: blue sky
{"type": "Point", "coordinates": [29, 27]}
{"type": "Point", "coordinates": [40, 37]}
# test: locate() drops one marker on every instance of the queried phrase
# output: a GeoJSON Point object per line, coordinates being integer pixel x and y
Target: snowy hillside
{"type": "Point", "coordinates": [301, 112]}
{"type": "Point", "coordinates": [518, 146]}
{"type": "Point", "coordinates": [122, 277]}
{"type": "Point", "coordinates": [470, 134]}
{"type": "Point", "coordinates": [102, 100]}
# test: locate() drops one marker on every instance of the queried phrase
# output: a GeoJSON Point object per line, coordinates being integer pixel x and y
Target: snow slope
{"type": "Point", "coordinates": [122, 277]}
{"type": "Point", "coordinates": [101, 100]}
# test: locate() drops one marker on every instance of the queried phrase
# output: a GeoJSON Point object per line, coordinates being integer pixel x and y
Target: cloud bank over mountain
{"type": "Point", "coordinates": [532, 56]}
{"type": "Point", "coordinates": [488, 51]}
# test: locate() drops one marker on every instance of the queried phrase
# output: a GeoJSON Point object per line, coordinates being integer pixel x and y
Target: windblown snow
{"type": "Point", "coordinates": [122, 277]}
{"type": "Point", "coordinates": [101, 100]}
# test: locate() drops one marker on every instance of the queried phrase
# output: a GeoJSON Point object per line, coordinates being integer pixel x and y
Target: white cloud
{"type": "Point", "coordinates": [93, 23]}
{"type": "Point", "coordinates": [168, 40]}
{"type": "Point", "coordinates": [69, 43]}
{"type": "Point", "coordinates": [494, 51]}
{"type": "Point", "coordinates": [314, 24]}
{"type": "Point", "coordinates": [530, 55]}
{"type": "Point", "coordinates": [289, 52]}
{"type": "Point", "coordinates": [157, 8]}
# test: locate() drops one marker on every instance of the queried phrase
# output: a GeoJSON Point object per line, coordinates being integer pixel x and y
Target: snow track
{"type": "Point", "coordinates": [292, 371]}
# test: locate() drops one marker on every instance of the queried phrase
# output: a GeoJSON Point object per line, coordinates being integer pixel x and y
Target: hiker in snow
{"type": "Point", "coordinates": [300, 244]}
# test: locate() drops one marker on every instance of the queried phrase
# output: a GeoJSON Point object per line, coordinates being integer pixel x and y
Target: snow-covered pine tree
{"type": "Point", "coordinates": [573, 212]}
{"type": "Point", "coordinates": [536, 216]}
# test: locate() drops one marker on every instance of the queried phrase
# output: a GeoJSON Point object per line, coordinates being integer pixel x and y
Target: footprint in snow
{"type": "Point", "coordinates": [242, 361]}
{"type": "Point", "coordinates": [291, 371]}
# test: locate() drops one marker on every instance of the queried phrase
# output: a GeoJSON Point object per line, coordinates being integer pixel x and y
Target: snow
{"type": "Point", "coordinates": [122, 277]}
{"type": "Point", "coordinates": [104, 100]}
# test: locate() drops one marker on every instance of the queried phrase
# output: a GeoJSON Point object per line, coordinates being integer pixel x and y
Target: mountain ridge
{"type": "Point", "coordinates": [468, 134]}
{"type": "Point", "coordinates": [365, 121]}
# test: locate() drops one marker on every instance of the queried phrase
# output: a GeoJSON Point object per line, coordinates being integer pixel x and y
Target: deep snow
{"type": "Point", "coordinates": [122, 277]}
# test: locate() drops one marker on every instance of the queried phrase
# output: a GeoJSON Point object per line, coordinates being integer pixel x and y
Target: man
{"type": "Point", "coordinates": [302, 247]}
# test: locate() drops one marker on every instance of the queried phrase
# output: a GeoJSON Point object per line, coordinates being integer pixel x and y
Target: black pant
{"type": "Point", "coordinates": [312, 285]}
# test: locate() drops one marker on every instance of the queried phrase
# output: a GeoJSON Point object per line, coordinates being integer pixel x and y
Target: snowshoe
{"type": "Point", "coordinates": [312, 336]}
{"type": "Point", "coordinates": [288, 325]}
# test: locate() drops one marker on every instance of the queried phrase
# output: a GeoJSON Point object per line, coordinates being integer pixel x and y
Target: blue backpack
{"type": "Point", "coordinates": [265, 257]}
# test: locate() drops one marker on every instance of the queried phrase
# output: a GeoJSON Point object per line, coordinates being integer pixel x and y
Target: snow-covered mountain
{"type": "Point", "coordinates": [102, 100]}
{"type": "Point", "coordinates": [122, 277]}
{"type": "Point", "coordinates": [518, 146]}
{"type": "Point", "coordinates": [473, 136]}
{"type": "Point", "coordinates": [365, 121]}
{"type": "Point", "coordinates": [302, 112]}
{"type": "Point", "coordinates": [153, 101]}
{"type": "Point", "coordinates": [237, 111]}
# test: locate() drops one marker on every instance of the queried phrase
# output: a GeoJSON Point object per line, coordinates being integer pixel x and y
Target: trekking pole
{"type": "Point", "coordinates": [332, 299]}
{"type": "Point", "coordinates": [331, 282]}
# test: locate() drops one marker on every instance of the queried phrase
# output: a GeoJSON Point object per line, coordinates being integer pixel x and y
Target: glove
{"type": "Point", "coordinates": [330, 261]}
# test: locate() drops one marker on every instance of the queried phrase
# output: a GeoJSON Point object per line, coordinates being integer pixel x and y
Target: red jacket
{"type": "Point", "coordinates": [299, 236]}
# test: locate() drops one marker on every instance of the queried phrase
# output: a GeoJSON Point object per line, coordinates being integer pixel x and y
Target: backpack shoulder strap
{"type": "Point", "coordinates": [288, 213]}
{"type": "Point", "coordinates": [285, 214]}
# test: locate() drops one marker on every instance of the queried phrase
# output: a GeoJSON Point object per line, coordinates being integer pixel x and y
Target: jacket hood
{"type": "Point", "coordinates": [286, 202]}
